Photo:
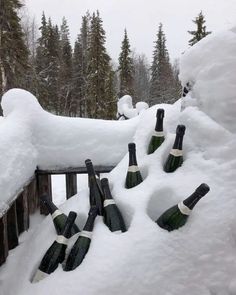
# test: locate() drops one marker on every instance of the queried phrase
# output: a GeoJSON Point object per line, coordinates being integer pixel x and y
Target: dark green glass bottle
{"type": "Point", "coordinates": [112, 215]}
{"type": "Point", "coordinates": [177, 216]}
{"type": "Point", "coordinates": [133, 176]}
{"type": "Point", "coordinates": [82, 244]}
{"type": "Point", "coordinates": [59, 218]}
{"type": "Point", "coordinates": [158, 135]}
{"type": "Point", "coordinates": [95, 191]}
{"type": "Point", "coordinates": [56, 253]}
{"type": "Point", "coordinates": [175, 158]}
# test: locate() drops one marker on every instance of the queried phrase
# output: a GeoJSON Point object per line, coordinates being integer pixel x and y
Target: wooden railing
{"type": "Point", "coordinates": [16, 218]}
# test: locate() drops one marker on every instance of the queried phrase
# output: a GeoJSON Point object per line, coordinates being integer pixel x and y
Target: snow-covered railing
{"type": "Point", "coordinates": [15, 219]}
{"type": "Point", "coordinates": [44, 180]}
{"type": "Point", "coordinates": [31, 138]}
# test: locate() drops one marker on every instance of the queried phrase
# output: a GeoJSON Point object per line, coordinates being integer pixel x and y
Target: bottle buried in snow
{"type": "Point", "coordinates": [158, 135]}
{"type": "Point", "coordinates": [133, 176]}
{"type": "Point", "coordinates": [59, 218]}
{"type": "Point", "coordinates": [177, 216]}
{"type": "Point", "coordinates": [82, 244]}
{"type": "Point", "coordinates": [112, 215]}
{"type": "Point", "coordinates": [175, 158]}
{"type": "Point", "coordinates": [56, 253]}
{"type": "Point", "coordinates": [95, 191]}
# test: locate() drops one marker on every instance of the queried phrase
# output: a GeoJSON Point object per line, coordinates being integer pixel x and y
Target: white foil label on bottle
{"type": "Point", "coordinates": [133, 168]}
{"type": "Point", "coordinates": [184, 209]}
{"type": "Point", "coordinates": [117, 232]}
{"type": "Point", "coordinates": [40, 275]}
{"type": "Point", "coordinates": [158, 133]}
{"type": "Point", "coordinates": [109, 202]}
{"type": "Point", "coordinates": [56, 213]}
{"type": "Point", "coordinates": [62, 240]}
{"type": "Point", "coordinates": [176, 152]}
{"type": "Point", "coordinates": [86, 234]}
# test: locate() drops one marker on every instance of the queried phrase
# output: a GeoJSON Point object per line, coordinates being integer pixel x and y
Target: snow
{"type": "Point", "coordinates": [125, 108]}
{"type": "Point", "coordinates": [197, 259]}
{"type": "Point", "coordinates": [210, 66]}
{"type": "Point", "coordinates": [63, 141]}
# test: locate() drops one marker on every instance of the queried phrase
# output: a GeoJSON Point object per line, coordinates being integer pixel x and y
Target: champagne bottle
{"type": "Point", "coordinates": [56, 253]}
{"type": "Point", "coordinates": [59, 218]}
{"type": "Point", "coordinates": [82, 244]}
{"type": "Point", "coordinates": [177, 216]}
{"type": "Point", "coordinates": [175, 158]}
{"type": "Point", "coordinates": [95, 192]}
{"type": "Point", "coordinates": [158, 135]}
{"type": "Point", "coordinates": [133, 176]}
{"type": "Point", "coordinates": [112, 215]}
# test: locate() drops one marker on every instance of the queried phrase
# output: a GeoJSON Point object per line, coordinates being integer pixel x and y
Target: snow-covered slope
{"type": "Point", "coordinates": [198, 259]}
{"type": "Point", "coordinates": [210, 66]}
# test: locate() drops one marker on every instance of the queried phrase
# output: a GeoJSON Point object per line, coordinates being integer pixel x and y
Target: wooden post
{"type": "Point", "coordinates": [33, 201]}
{"type": "Point", "coordinates": [3, 239]}
{"type": "Point", "coordinates": [12, 227]}
{"type": "Point", "coordinates": [71, 184]}
{"type": "Point", "coordinates": [44, 187]}
{"type": "Point", "coordinates": [22, 211]}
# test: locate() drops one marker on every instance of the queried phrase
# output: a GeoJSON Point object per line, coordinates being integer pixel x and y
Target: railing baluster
{"type": "Point", "coordinates": [12, 227]}
{"type": "Point", "coordinates": [3, 239]}
{"type": "Point", "coordinates": [44, 187]}
{"type": "Point", "coordinates": [71, 184]}
{"type": "Point", "coordinates": [22, 212]}
{"type": "Point", "coordinates": [32, 195]}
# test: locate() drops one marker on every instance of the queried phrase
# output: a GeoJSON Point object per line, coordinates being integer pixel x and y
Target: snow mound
{"type": "Point", "coordinates": [200, 256]}
{"type": "Point", "coordinates": [125, 109]}
{"type": "Point", "coordinates": [210, 65]}
{"type": "Point", "coordinates": [64, 141]}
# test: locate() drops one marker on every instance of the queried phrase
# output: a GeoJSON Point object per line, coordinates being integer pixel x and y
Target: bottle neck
{"type": "Point", "coordinates": [159, 124]}
{"type": "Point", "coordinates": [192, 200]}
{"type": "Point", "coordinates": [90, 169]}
{"type": "Point", "coordinates": [67, 229]}
{"type": "Point", "coordinates": [90, 222]}
{"type": "Point", "coordinates": [107, 192]}
{"type": "Point", "coordinates": [178, 144]}
{"type": "Point", "coordinates": [50, 205]}
{"type": "Point", "coordinates": [132, 158]}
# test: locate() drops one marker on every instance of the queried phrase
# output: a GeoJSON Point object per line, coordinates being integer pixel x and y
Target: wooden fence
{"type": "Point", "coordinates": [16, 218]}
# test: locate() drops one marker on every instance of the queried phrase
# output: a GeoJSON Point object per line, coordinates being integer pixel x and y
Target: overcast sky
{"type": "Point", "coordinates": [141, 19]}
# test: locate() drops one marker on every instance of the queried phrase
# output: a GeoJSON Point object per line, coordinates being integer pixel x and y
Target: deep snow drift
{"type": "Point", "coordinates": [32, 137]}
{"type": "Point", "coordinates": [199, 258]}
{"type": "Point", "coordinates": [210, 66]}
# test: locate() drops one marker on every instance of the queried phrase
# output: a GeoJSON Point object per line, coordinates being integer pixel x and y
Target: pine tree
{"type": "Point", "coordinates": [30, 30]}
{"type": "Point", "coordinates": [162, 79]}
{"type": "Point", "coordinates": [109, 107]}
{"type": "Point", "coordinates": [54, 66]}
{"type": "Point", "coordinates": [80, 67]}
{"type": "Point", "coordinates": [141, 78]}
{"type": "Point", "coordinates": [177, 83]}
{"type": "Point", "coordinates": [14, 53]}
{"type": "Point", "coordinates": [98, 71]}
{"type": "Point", "coordinates": [41, 61]}
{"type": "Point", "coordinates": [126, 70]}
{"type": "Point", "coordinates": [200, 31]}
{"type": "Point", "coordinates": [65, 71]}
{"type": "Point", "coordinates": [47, 65]}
